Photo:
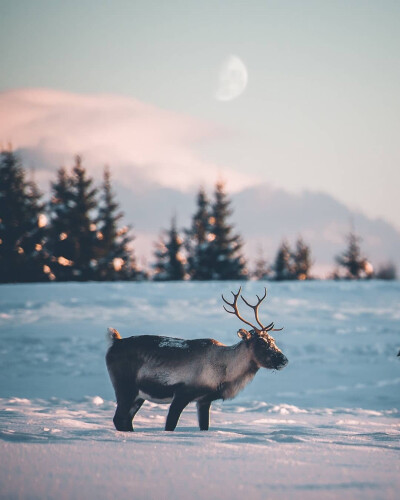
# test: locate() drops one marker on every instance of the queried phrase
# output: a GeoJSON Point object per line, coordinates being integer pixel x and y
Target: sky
{"type": "Point", "coordinates": [320, 110]}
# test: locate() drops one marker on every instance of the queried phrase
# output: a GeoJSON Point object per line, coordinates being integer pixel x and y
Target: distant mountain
{"type": "Point", "coordinates": [264, 216]}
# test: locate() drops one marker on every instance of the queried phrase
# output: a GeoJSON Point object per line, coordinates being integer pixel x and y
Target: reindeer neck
{"type": "Point", "coordinates": [241, 367]}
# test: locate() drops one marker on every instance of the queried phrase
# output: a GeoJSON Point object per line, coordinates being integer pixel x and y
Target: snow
{"type": "Point", "coordinates": [171, 342]}
{"type": "Point", "coordinates": [326, 426]}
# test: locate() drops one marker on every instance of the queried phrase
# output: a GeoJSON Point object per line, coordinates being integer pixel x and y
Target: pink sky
{"type": "Point", "coordinates": [133, 137]}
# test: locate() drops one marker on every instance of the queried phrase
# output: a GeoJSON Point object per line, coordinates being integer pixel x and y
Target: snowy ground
{"type": "Point", "coordinates": [326, 426]}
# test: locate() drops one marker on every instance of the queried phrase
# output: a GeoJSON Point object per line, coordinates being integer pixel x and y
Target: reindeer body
{"type": "Point", "coordinates": [164, 369]}
{"type": "Point", "coordinates": [177, 371]}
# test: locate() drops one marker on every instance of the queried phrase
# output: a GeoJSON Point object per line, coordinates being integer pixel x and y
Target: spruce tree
{"type": "Point", "coordinates": [197, 243]}
{"type": "Point", "coordinates": [115, 261]}
{"type": "Point", "coordinates": [302, 261]}
{"type": "Point", "coordinates": [262, 269]}
{"type": "Point", "coordinates": [170, 263]}
{"type": "Point", "coordinates": [60, 242]}
{"type": "Point", "coordinates": [283, 266]}
{"type": "Point", "coordinates": [386, 271]}
{"type": "Point", "coordinates": [355, 264]}
{"type": "Point", "coordinates": [73, 225]}
{"type": "Point", "coordinates": [225, 260]}
{"type": "Point", "coordinates": [22, 225]}
{"type": "Point", "coordinates": [161, 260]}
{"type": "Point", "coordinates": [83, 222]}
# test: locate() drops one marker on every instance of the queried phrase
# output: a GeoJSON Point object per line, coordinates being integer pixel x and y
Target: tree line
{"type": "Point", "coordinates": [78, 235]}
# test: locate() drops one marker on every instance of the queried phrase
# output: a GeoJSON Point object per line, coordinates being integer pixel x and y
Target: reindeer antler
{"type": "Point", "coordinates": [235, 308]}
{"type": "Point", "coordinates": [268, 328]}
{"type": "Point", "coordinates": [264, 329]}
{"type": "Point", "coordinates": [255, 309]}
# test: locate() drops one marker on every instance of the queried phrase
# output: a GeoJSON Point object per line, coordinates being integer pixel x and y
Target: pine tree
{"type": "Point", "coordinates": [262, 269]}
{"type": "Point", "coordinates": [283, 266]}
{"type": "Point", "coordinates": [60, 242]}
{"type": "Point", "coordinates": [170, 263]}
{"type": "Point", "coordinates": [225, 260]}
{"type": "Point", "coordinates": [115, 259]}
{"type": "Point", "coordinates": [355, 264]}
{"type": "Point", "coordinates": [197, 243]}
{"type": "Point", "coordinates": [386, 271]}
{"type": "Point", "coordinates": [73, 225]}
{"type": "Point", "coordinates": [22, 225]}
{"type": "Point", "coordinates": [83, 223]}
{"type": "Point", "coordinates": [161, 260]}
{"type": "Point", "coordinates": [302, 261]}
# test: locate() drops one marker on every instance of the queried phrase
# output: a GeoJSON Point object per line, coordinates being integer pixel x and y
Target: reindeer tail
{"type": "Point", "coordinates": [113, 334]}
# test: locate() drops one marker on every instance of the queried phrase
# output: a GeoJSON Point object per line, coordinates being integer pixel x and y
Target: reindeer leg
{"type": "Point", "coordinates": [203, 414]}
{"type": "Point", "coordinates": [125, 403]}
{"type": "Point", "coordinates": [178, 404]}
{"type": "Point", "coordinates": [135, 407]}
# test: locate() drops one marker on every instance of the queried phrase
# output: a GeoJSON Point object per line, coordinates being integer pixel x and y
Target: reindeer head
{"type": "Point", "coordinates": [266, 353]}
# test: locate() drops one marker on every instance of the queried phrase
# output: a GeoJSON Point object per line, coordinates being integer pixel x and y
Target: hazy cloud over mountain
{"type": "Point", "coordinates": [136, 139]}
{"type": "Point", "coordinates": [156, 169]}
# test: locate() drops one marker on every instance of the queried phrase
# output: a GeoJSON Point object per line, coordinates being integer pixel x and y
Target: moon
{"type": "Point", "coordinates": [232, 79]}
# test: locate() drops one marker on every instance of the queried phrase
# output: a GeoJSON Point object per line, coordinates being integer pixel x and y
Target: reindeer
{"type": "Point", "coordinates": [177, 371]}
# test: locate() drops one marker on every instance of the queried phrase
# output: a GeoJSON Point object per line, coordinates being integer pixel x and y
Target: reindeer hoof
{"type": "Point", "coordinates": [123, 425]}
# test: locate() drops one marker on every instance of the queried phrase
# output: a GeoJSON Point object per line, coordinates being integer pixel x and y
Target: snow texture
{"type": "Point", "coordinates": [327, 426]}
{"type": "Point", "coordinates": [171, 342]}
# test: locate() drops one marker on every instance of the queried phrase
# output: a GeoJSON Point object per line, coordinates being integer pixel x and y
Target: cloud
{"type": "Point", "coordinates": [136, 139]}
{"type": "Point", "coordinates": [154, 158]}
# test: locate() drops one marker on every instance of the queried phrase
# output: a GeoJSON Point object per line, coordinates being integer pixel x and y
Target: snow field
{"type": "Point", "coordinates": [326, 426]}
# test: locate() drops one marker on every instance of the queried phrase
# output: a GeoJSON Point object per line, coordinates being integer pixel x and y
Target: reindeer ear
{"type": "Point", "coordinates": [266, 336]}
{"type": "Point", "coordinates": [244, 334]}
